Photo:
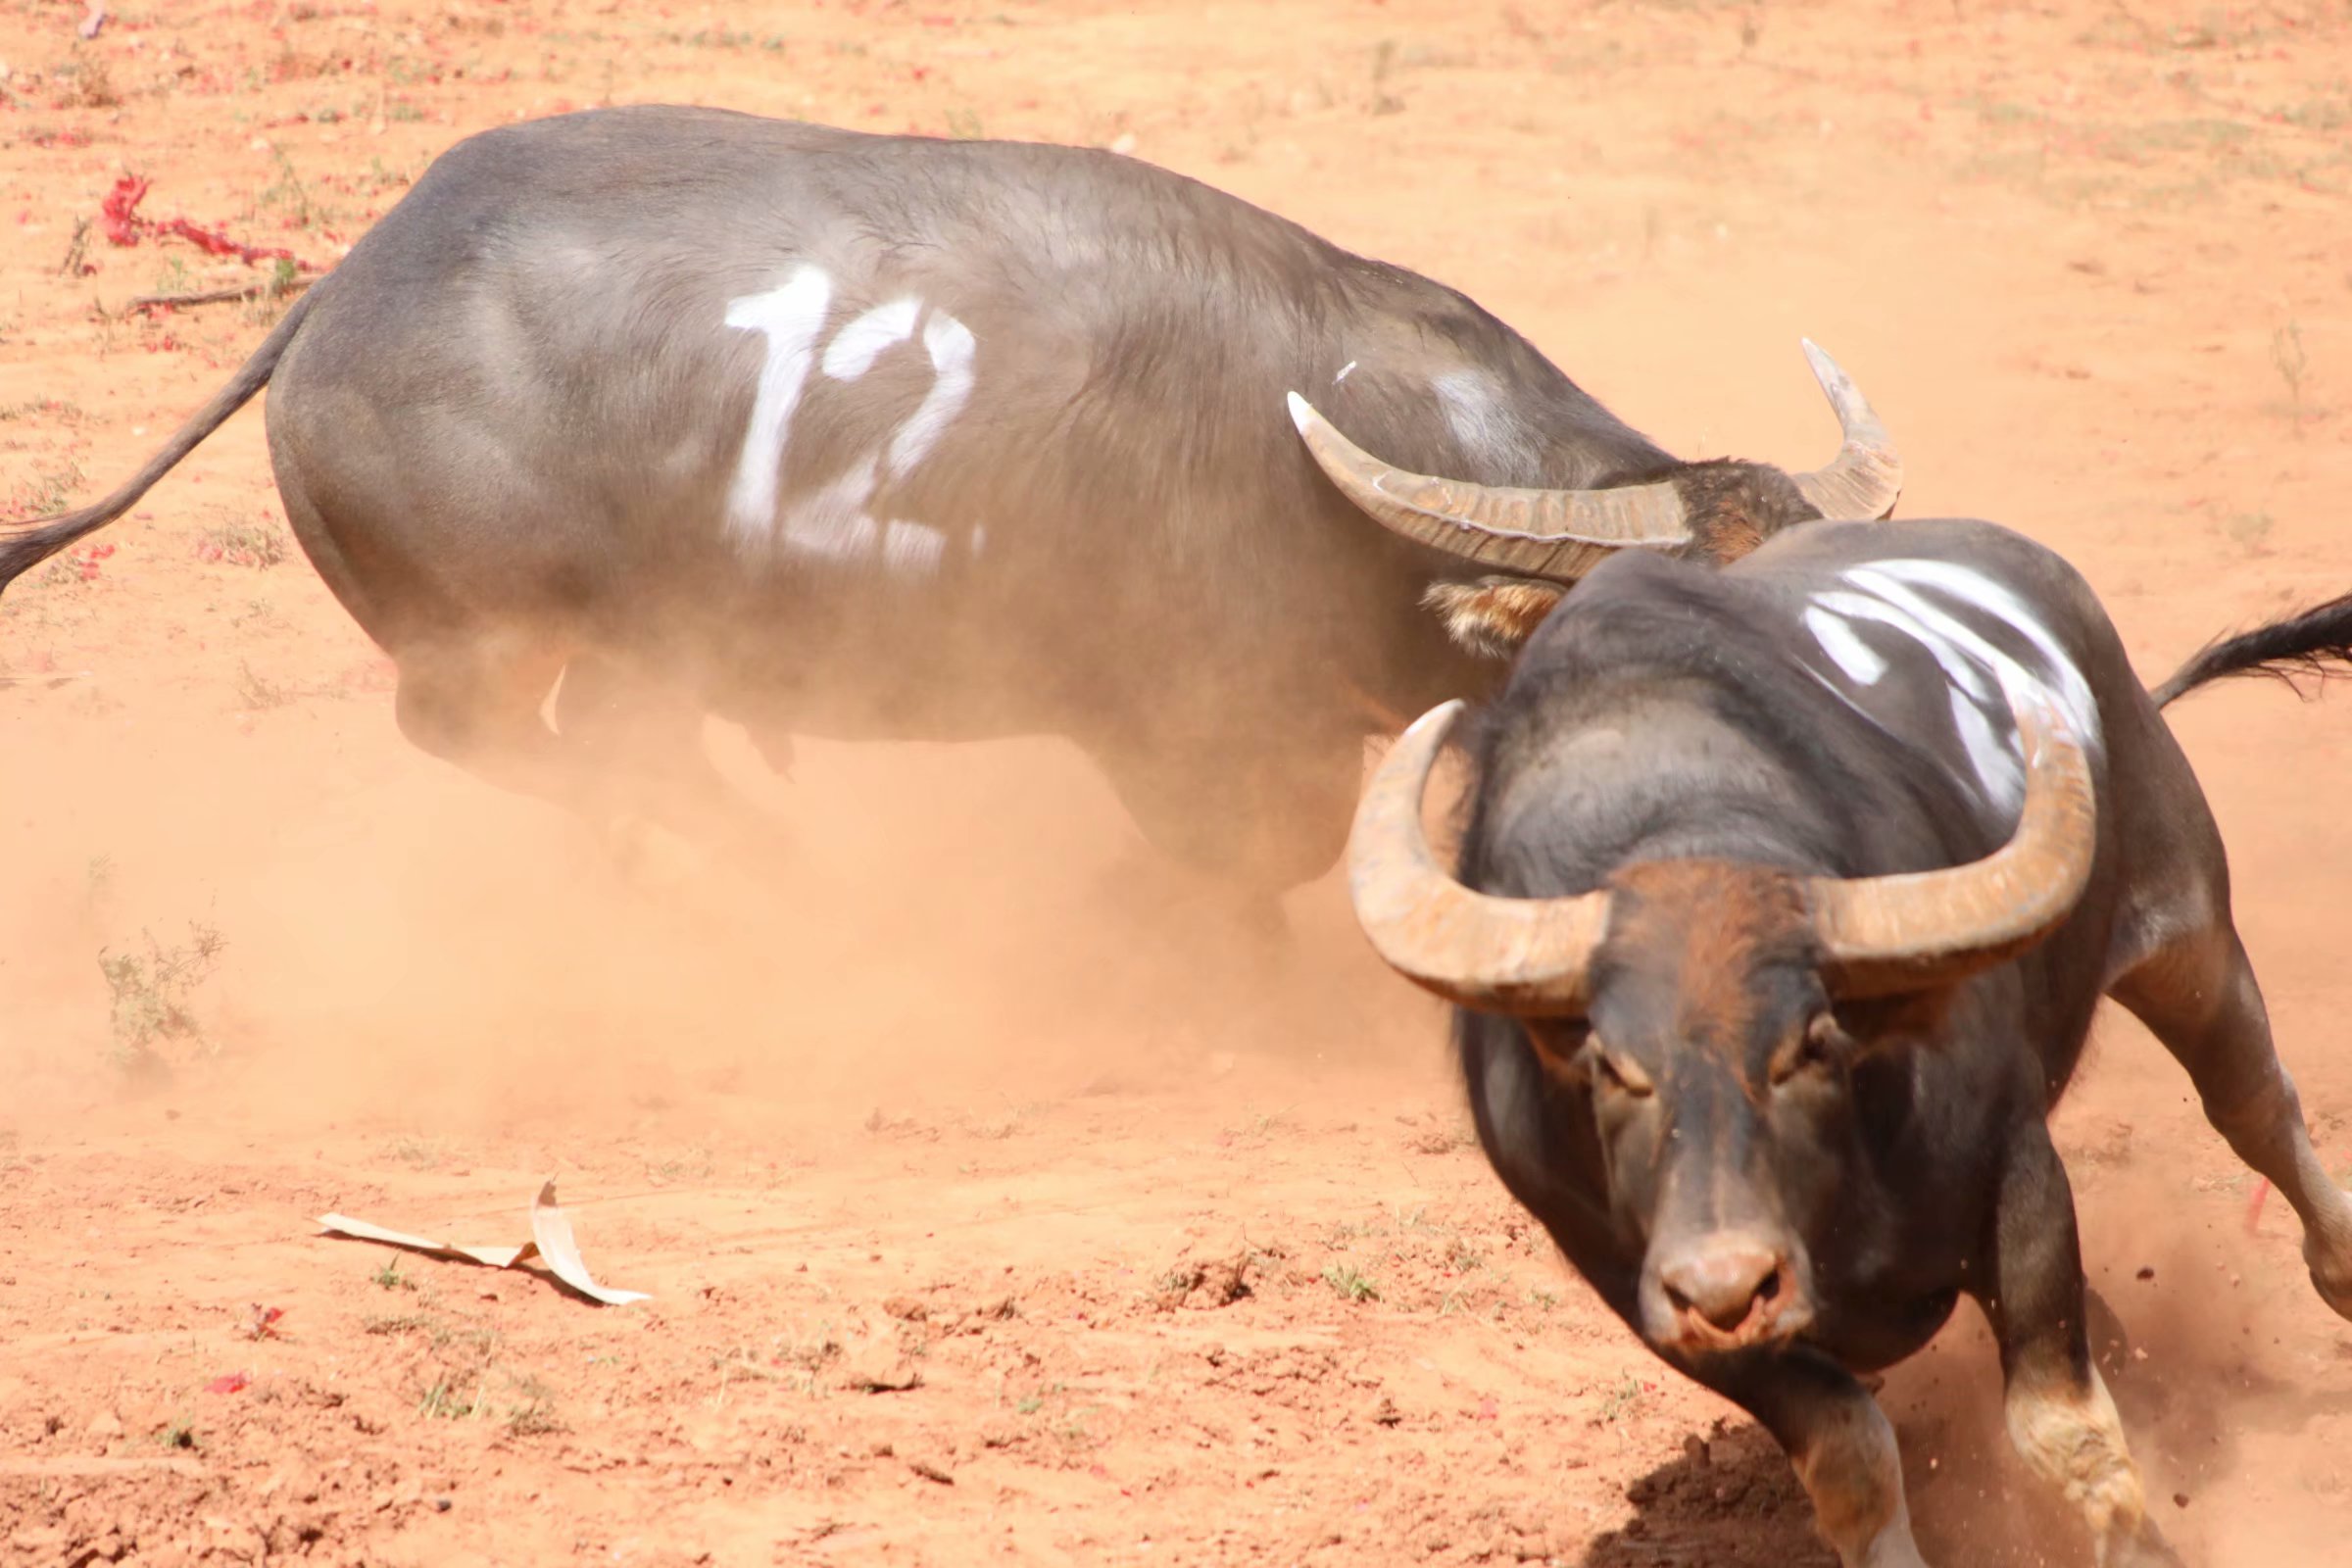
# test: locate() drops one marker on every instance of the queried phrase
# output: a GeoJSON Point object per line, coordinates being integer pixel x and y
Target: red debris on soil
{"type": "Point", "coordinates": [229, 1383]}
{"type": "Point", "coordinates": [118, 215]}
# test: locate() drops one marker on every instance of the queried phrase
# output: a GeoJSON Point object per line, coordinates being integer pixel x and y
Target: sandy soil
{"type": "Point", "coordinates": [977, 1226]}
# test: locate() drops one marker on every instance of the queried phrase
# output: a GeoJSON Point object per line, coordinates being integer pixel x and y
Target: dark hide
{"type": "Point", "coordinates": [505, 429]}
{"type": "Point", "coordinates": [1716, 1131]}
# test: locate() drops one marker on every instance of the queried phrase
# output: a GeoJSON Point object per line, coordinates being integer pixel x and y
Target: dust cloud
{"type": "Point", "coordinates": [959, 920]}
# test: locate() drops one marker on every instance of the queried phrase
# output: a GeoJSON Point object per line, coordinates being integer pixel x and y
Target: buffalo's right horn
{"type": "Point", "coordinates": [1525, 957]}
{"type": "Point", "coordinates": [1887, 935]}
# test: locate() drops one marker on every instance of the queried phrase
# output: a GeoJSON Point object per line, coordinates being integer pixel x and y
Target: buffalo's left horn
{"type": "Point", "coordinates": [1562, 534]}
{"type": "Point", "coordinates": [1889, 935]}
{"type": "Point", "coordinates": [1525, 957]}
{"type": "Point", "coordinates": [1559, 534]}
{"type": "Point", "coordinates": [1861, 483]}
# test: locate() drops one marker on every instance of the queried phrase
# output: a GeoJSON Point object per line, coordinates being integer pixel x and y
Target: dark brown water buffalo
{"type": "Point", "coordinates": [1786, 897]}
{"type": "Point", "coordinates": [678, 412]}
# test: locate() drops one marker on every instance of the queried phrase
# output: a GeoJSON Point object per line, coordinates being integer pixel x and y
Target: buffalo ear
{"type": "Point", "coordinates": [1559, 1050]}
{"type": "Point", "coordinates": [1881, 1025]}
{"type": "Point", "coordinates": [1494, 615]}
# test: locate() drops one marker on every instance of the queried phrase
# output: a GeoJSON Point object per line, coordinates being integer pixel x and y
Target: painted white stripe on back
{"type": "Point", "coordinates": [2074, 693]}
{"type": "Point", "coordinates": [1847, 651]}
{"type": "Point", "coordinates": [1863, 606]}
{"type": "Point", "coordinates": [1998, 767]}
{"type": "Point", "coordinates": [1999, 601]}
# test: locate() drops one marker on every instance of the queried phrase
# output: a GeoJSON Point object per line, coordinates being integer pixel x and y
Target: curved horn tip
{"type": "Point", "coordinates": [1303, 412]}
{"type": "Point", "coordinates": [1440, 718]}
{"type": "Point", "coordinates": [1826, 370]}
{"type": "Point", "coordinates": [2040, 715]}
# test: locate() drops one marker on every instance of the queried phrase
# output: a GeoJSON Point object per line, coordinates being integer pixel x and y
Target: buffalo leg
{"type": "Point", "coordinates": [1250, 815]}
{"type": "Point", "coordinates": [2198, 996]}
{"type": "Point", "coordinates": [476, 703]}
{"type": "Point", "coordinates": [648, 738]}
{"type": "Point", "coordinates": [2060, 1417]}
{"type": "Point", "coordinates": [1841, 1443]}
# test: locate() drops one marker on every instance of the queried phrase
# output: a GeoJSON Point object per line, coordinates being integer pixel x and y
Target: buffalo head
{"type": "Point", "coordinates": [1545, 539]}
{"type": "Point", "coordinates": [1695, 1009]}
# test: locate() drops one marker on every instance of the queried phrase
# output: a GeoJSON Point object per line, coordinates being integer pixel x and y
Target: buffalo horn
{"type": "Point", "coordinates": [1525, 957]}
{"type": "Point", "coordinates": [1862, 481]}
{"type": "Point", "coordinates": [1889, 935]}
{"type": "Point", "coordinates": [1562, 534]}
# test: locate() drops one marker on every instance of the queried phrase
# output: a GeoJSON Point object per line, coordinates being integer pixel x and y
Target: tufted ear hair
{"type": "Point", "coordinates": [1493, 616]}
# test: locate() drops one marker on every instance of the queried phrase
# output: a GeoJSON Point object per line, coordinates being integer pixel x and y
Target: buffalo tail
{"type": "Point", "coordinates": [2317, 642]}
{"type": "Point", "coordinates": [26, 545]}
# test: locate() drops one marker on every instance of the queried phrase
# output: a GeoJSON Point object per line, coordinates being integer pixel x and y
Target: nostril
{"type": "Point", "coordinates": [1729, 1287]}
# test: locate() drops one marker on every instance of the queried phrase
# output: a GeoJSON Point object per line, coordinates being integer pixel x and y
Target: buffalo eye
{"type": "Point", "coordinates": [1619, 1072]}
{"type": "Point", "coordinates": [1815, 1051]}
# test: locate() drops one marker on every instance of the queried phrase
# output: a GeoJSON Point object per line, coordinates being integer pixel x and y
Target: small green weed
{"type": "Point", "coordinates": [1352, 1283]}
{"type": "Point", "coordinates": [1383, 63]}
{"type": "Point", "coordinates": [49, 490]}
{"type": "Point", "coordinates": [1627, 1394]}
{"type": "Point", "coordinates": [444, 1400]}
{"type": "Point", "coordinates": [536, 1414]}
{"type": "Point", "coordinates": [2248, 529]}
{"type": "Point", "coordinates": [257, 692]}
{"type": "Point", "coordinates": [2293, 365]}
{"type": "Point", "coordinates": [149, 993]}
{"type": "Point", "coordinates": [420, 1153]}
{"type": "Point", "coordinates": [86, 83]}
{"type": "Point", "coordinates": [288, 194]}
{"type": "Point", "coordinates": [259, 545]}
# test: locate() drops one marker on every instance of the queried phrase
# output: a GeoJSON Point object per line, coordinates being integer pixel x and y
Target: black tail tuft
{"type": "Point", "coordinates": [2317, 642]}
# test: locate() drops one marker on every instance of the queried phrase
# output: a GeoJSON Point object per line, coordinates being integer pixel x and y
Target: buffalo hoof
{"type": "Point", "coordinates": [1889, 1552]}
{"type": "Point", "coordinates": [652, 858]}
{"type": "Point", "coordinates": [2330, 1274]}
{"type": "Point", "coordinates": [2145, 1549]}
{"type": "Point", "coordinates": [1169, 904]}
{"type": "Point", "coordinates": [704, 885]}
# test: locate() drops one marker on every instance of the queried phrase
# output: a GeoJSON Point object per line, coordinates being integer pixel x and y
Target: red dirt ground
{"type": "Point", "coordinates": [928, 1117]}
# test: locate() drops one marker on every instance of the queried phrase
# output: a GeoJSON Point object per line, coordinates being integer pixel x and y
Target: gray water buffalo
{"type": "Point", "coordinates": [675, 411]}
{"type": "Point", "coordinates": [1785, 896]}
